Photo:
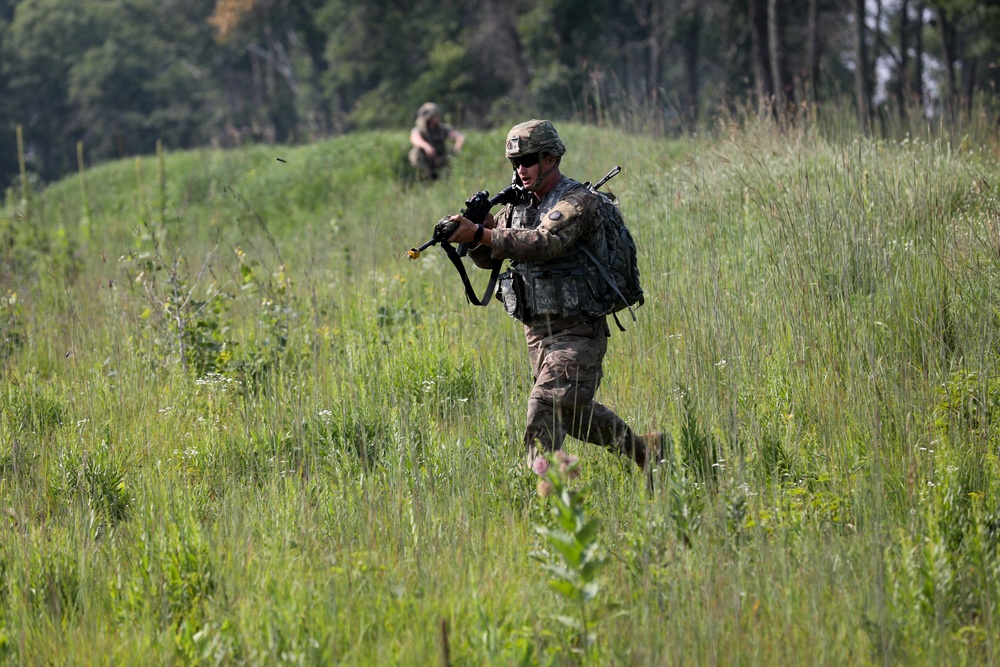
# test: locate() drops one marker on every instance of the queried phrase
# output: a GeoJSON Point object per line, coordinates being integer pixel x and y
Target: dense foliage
{"type": "Point", "coordinates": [120, 75]}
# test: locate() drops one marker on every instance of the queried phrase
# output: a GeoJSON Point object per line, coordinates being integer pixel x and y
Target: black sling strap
{"type": "Point", "coordinates": [470, 293]}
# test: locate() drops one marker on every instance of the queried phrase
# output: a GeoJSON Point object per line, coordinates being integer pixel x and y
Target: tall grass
{"type": "Point", "coordinates": [239, 427]}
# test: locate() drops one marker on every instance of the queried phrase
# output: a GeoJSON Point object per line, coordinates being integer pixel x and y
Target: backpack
{"type": "Point", "coordinates": [621, 273]}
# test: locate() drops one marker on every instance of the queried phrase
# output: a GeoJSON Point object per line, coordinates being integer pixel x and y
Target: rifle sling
{"type": "Point", "coordinates": [470, 293]}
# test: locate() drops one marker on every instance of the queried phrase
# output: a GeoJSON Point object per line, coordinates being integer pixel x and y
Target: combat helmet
{"type": "Point", "coordinates": [534, 136]}
{"type": "Point", "coordinates": [428, 110]}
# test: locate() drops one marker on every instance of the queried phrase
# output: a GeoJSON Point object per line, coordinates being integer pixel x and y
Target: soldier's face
{"type": "Point", "coordinates": [528, 170]}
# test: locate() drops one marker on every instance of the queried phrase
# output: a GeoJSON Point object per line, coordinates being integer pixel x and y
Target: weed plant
{"type": "Point", "coordinates": [238, 426]}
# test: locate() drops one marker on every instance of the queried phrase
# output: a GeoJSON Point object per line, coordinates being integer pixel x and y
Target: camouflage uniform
{"type": "Point", "coordinates": [567, 348]}
{"type": "Point", "coordinates": [436, 136]}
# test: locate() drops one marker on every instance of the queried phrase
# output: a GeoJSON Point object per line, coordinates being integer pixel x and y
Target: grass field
{"type": "Point", "coordinates": [238, 426]}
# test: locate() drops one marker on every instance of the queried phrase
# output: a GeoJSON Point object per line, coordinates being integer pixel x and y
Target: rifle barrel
{"type": "Point", "coordinates": [607, 177]}
{"type": "Point", "coordinates": [413, 253]}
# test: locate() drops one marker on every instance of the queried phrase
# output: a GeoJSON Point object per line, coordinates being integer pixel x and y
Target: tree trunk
{"type": "Point", "coordinates": [500, 51]}
{"type": "Point", "coordinates": [814, 50]}
{"type": "Point", "coordinates": [763, 83]}
{"type": "Point", "coordinates": [690, 28]}
{"type": "Point", "coordinates": [315, 40]}
{"type": "Point", "coordinates": [969, 83]}
{"type": "Point", "coordinates": [862, 83]}
{"type": "Point", "coordinates": [903, 84]}
{"type": "Point", "coordinates": [784, 92]}
{"type": "Point", "coordinates": [655, 50]}
{"type": "Point", "coordinates": [918, 56]}
{"type": "Point", "coordinates": [655, 19]}
{"type": "Point", "coordinates": [775, 55]}
{"type": "Point", "coordinates": [947, 31]}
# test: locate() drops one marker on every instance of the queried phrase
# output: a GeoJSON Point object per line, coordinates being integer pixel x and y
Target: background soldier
{"type": "Point", "coordinates": [548, 288]}
{"type": "Point", "coordinates": [429, 137]}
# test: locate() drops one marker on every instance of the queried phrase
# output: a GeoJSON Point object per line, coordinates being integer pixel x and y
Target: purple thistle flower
{"type": "Point", "coordinates": [540, 465]}
{"type": "Point", "coordinates": [567, 464]}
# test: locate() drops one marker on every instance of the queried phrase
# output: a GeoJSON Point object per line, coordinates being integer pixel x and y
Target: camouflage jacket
{"type": "Point", "coordinates": [542, 241]}
{"type": "Point", "coordinates": [571, 216]}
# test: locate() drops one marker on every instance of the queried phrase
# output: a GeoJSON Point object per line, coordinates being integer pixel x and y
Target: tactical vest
{"type": "Point", "coordinates": [562, 287]}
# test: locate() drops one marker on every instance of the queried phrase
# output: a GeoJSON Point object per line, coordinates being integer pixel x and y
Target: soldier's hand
{"type": "Point", "coordinates": [469, 232]}
{"type": "Point", "coordinates": [466, 231]}
{"type": "Point", "coordinates": [445, 227]}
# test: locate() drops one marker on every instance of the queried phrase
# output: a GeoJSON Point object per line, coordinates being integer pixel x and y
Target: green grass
{"type": "Point", "coordinates": [238, 426]}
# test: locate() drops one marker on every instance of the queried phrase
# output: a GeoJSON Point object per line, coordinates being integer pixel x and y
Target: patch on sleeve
{"type": "Point", "coordinates": [563, 212]}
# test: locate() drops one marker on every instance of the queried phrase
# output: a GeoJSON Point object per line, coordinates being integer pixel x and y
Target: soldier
{"type": "Point", "coordinates": [429, 137]}
{"type": "Point", "coordinates": [548, 289]}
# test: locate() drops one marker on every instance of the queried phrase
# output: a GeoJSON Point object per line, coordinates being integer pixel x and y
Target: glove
{"type": "Point", "coordinates": [445, 228]}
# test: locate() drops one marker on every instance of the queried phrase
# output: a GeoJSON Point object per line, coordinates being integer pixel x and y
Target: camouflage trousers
{"type": "Point", "coordinates": [566, 364]}
{"type": "Point", "coordinates": [426, 167]}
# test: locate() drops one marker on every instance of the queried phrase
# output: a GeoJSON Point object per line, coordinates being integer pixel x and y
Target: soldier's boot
{"type": "Point", "coordinates": [647, 451]}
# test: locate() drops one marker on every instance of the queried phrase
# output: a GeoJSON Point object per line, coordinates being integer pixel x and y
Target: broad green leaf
{"type": "Point", "coordinates": [567, 547]}
{"type": "Point", "coordinates": [588, 532]}
{"type": "Point", "coordinates": [564, 588]}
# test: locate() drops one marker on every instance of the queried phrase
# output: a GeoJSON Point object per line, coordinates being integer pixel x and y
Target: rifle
{"type": "Point", "coordinates": [476, 208]}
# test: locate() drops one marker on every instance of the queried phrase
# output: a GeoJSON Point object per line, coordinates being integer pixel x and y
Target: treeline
{"type": "Point", "coordinates": [119, 75]}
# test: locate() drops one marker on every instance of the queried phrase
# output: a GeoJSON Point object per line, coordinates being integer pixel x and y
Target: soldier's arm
{"type": "Point", "coordinates": [567, 222]}
{"type": "Point", "coordinates": [481, 254]}
{"type": "Point", "coordinates": [458, 138]}
{"type": "Point", "coordinates": [417, 139]}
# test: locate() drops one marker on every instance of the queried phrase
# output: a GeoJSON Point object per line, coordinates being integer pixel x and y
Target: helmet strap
{"type": "Point", "coordinates": [541, 177]}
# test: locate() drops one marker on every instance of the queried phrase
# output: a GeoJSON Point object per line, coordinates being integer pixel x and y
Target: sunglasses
{"type": "Point", "coordinates": [525, 160]}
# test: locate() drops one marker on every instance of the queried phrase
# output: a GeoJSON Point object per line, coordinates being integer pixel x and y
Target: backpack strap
{"type": "Point", "coordinates": [603, 270]}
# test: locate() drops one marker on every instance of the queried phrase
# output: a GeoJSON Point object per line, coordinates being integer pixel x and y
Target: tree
{"type": "Point", "coordinates": [8, 120]}
{"type": "Point", "coordinates": [862, 80]}
{"type": "Point", "coordinates": [420, 55]}
{"type": "Point", "coordinates": [652, 20]}
{"type": "Point", "coordinates": [139, 85]}
{"type": "Point", "coordinates": [120, 74]}
{"type": "Point", "coordinates": [904, 86]}
{"type": "Point", "coordinates": [815, 48]}
{"type": "Point", "coordinates": [967, 31]}
{"type": "Point", "coordinates": [689, 26]}
{"type": "Point", "coordinates": [42, 43]}
{"type": "Point", "coordinates": [272, 34]}
{"type": "Point", "coordinates": [116, 74]}
{"type": "Point", "coordinates": [498, 53]}
{"type": "Point", "coordinates": [949, 34]}
{"type": "Point", "coordinates": [777, 58]}
{"type": "Point", "coordinates": [761, 46]}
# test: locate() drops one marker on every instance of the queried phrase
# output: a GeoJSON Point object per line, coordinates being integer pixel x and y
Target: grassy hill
{"type": "Point", "coordinates": [237, 425]}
